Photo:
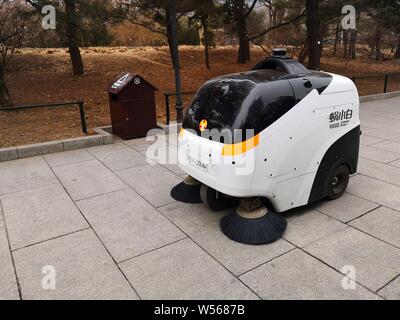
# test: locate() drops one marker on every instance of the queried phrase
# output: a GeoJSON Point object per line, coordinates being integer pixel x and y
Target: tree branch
{"type": "Point", "coordinates": [251, 9]}
{"type": "Point", "coordinates": [277, 26]}
{"type": "Point", "coordinates": [145, 26]}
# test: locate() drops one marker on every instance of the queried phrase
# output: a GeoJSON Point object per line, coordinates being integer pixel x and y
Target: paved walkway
{"type": "Point", "coordinates": [102, 222]}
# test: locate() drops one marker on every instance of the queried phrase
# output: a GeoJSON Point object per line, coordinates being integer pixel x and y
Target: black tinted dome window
{"type": "Point", "coordinates": [287, 65]}
{"type": "Point", "coordinates": [252, 100]}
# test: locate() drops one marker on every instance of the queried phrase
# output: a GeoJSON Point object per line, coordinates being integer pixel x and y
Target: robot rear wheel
{"type": "Point", "coordinates": [338, 182]}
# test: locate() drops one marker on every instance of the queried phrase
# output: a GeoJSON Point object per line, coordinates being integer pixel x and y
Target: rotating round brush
{"type": "Point", "coordinates": [253, 224]}
{"type": "Point", "coordinates": [187, 191]}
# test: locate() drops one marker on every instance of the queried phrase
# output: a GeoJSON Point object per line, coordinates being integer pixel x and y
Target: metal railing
{"type": "Point", "coordinates": [78, 103]}
{"type": "Point", "coordinates": [167, 103]}
{"type": "Point", "coordinates": [385, 76]}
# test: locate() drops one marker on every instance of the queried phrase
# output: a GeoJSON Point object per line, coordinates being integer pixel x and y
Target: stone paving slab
{"type": "Point", "coordinates": [381, 223]}
{"type": "Point", "coordinates": [8, 284]}
{"type": "Point", "coordinates": [376, 191]}
{"type": "Point", "coordinates": [183, 271]}
{"type": "Point", "coordinates": [307, 226]}
{"type": "Point", "coordinates": [379, 117]}
{"type": "Point", "coordinates": [373, 114]}
{"type": "Point", "coordinates": [345, 209]}
{"type": "Point", "coordinates": [175, 169]}
{"type": "Point", "coordinates": [140, 144]}
{"type": "Point", "coordinates": [386, 131]}
{"type": "Point", "coordinates": [368, 140]}
{"type": "Point", "coordinates": [87, 179]}
{"type": "Point", "coordinates": [395, 163]}
{"type": "Point", "coordinates": [378, 155]}
{"type": "Point", "coordinates": [127, 224]}
{"type": "Point", "coordinates": [377, 123]}
{"type": "Point", "coordinates": [25, 174]}
{"type": "Point", "coordinates": [382, 133]}
{"type": "Point", "coordinates": [379, 171]}
{"type": "Point", "coordinates": [298, 276]}
{"type": "Point", "coordinates": [202, 225]}
{"type": "Point", "coordinates": [39, 214]}
{"type": "Point", "coordinates": [152, 182]}
{"type": "Point", "coordinates": [118, 156]}
{"type": "Point", "coordinates": [376, 263]}
{"type": "Point", "coordinates": [392, 290]}
{"type": "Point", "coordinates": [84, 270]}
{"type": "Point", "coordinates": [391, 146]}
{"type": "Point", "coordinates": [68, 157]}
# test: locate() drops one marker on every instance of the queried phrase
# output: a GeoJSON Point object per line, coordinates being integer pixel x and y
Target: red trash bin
{"type": "Point", "coordinates": [132, 106]}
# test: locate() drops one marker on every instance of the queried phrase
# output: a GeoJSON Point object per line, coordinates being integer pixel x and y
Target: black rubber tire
{"type": "Point", "coordinates": [216, 203]}
{"type": "Point", "coordinates": [338, 182]}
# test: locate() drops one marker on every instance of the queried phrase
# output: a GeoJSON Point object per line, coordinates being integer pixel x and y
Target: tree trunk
{"type": "Point", "coordinates": [345, 42]}
{"type": "Point", "coordinates": [353, 40]}
{"type": "Point", "coordinates": [313, 34]}
{"type": "Point", "coordinates": [397, 53]}
{"type": "Point", "coordinates": [336, 38]}
{"type": "Point", "coordinates": [5, 98]}
{"type": "Point", "coordinates": [72, 26]}
{"type": "Point", "coordinates": [377, 40]}
{"type": "Point", "coordinates": [324, 31]}
{"type": "Point", "coordinates": [244, 43]}
{"type": "Point", "coordinates": [205, 41]}
{"type": "Point", "coordinates": [175, 60]}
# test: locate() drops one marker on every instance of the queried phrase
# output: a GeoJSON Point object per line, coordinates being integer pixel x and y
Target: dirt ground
{"type": "Point", "coordinates": [44, 75]}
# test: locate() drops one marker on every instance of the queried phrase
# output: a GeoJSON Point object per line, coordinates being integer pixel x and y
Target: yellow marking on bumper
{"type": "Point", "coordinates": [240, 148]}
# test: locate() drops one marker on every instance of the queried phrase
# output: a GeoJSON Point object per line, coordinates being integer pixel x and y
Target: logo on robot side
{"type": "Point", "coordinates": [340, 118]}
{"type": "Point", "coordinates": [203, 125]}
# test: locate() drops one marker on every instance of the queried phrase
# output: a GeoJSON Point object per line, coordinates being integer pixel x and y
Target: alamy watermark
{"type": "Point", "coordinates": [349, 281]}
{"type": "Point", "coordinates": [49, 18]}
{"type": "Point", "coordinates": [349, 20]}
{"type": "Point", "coordinates": [49, 278]}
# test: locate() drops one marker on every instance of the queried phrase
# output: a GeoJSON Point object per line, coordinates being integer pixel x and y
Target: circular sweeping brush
{"type": "Point", "coordinates": [254, 227]}
{"type": "Point", "coordinates": [187, 191]}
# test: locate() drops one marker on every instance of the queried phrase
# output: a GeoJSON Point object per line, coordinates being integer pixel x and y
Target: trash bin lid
{"type": "Point", "coordinates": [126, 78]}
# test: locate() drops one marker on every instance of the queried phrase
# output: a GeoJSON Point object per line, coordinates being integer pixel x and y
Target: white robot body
{"type": "Point", "coordinates": [287, 161]}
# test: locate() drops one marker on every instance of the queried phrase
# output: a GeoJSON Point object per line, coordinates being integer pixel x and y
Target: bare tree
{"type": "Point", "coordinates": [154, 15]}
{"type": "Point", "coordinates": [352, 46]}
{"type": "Point", "coordinates": [12, 29]}
{"type": "Point", "coordinates": [237, 14]}
{"type": "Point", "coordinates": [313, 34]}
{"type": "Point", "coordinates": [72, 21]}
{"type": "Point", "coordinates": [203, 14]}
{"type": "Point", "coordinates": [397, 53]}
{"type": "Point", "coordinates": [337, 36]}
{"type": "Point", "coordinates": [285, 27]}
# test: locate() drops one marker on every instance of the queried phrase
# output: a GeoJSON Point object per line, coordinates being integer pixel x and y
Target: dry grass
{"type": "Point", "coordinates": [44, 75]}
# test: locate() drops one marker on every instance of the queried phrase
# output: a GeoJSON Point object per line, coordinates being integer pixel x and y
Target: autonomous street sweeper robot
{"type": "Point", "coordinates": [266, 141]}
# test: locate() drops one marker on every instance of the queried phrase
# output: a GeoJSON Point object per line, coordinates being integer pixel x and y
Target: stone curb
{"type": "Point", "coordinates": [380, 96]}
{"type": "Point", "coordinates": [7, 154]}
{"type": "Point", "coordinates": [37, 149]}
